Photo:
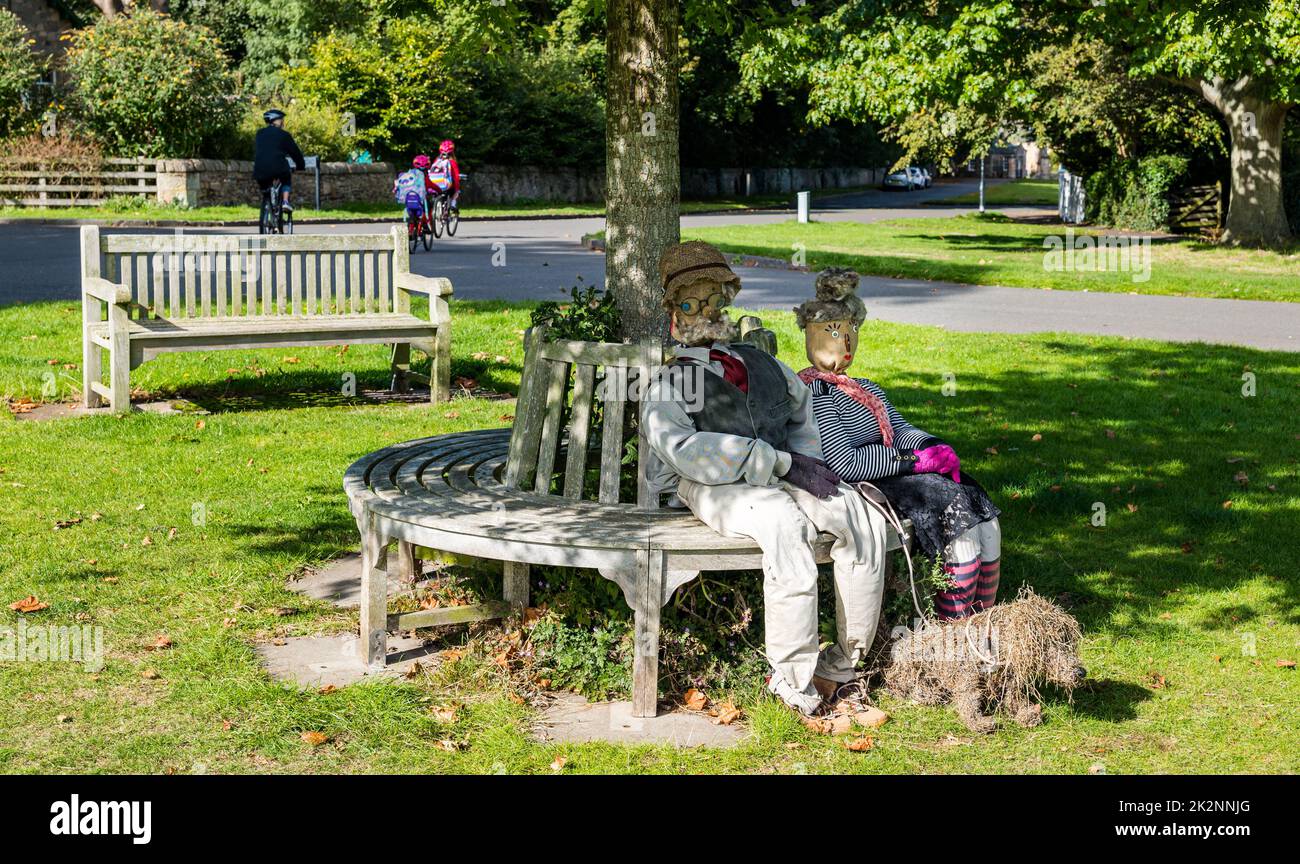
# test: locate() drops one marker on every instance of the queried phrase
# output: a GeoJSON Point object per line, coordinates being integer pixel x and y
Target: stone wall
{"type": "Point", "coordinates": [496, 184]}
{"type": "Point", "coordinates": [43, 22]}
{"type": "Point", "coordinates": [216, 182]}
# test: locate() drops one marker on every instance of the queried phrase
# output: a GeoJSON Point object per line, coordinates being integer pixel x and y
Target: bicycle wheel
{"type": "Point", "coordinates": [426, 234]}
{"type": "Point", "coordinates": [286, 221]}
{"type": "Point", "coordinates": [264, 217]}
{"type": "Point", "coordinates": [452, 215]}
{"type": "Point", "coordinates": [412, 229]}
{"type": "Point", "coordinates": [435, 218]}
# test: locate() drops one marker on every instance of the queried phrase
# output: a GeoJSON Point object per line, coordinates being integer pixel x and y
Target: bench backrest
{"type": "Point", "coordinates": [577, 386]}
{"type": "Point", "coordinates": [190, 275]}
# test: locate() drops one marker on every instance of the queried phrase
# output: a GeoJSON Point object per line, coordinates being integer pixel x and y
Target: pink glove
{"type": "Point", "coordinates": [939, 459]}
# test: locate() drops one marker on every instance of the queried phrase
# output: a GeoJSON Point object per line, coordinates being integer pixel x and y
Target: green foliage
{"type": "Point", "coordinates": [591, 317]}
{"type": "Point", "coordinates": [396, 85]}
{"type": "Point", "coordinates": [146, 84]}
{"type": "Point", "coordinates": [319, 128]}
{"type": "Point", "coordinates": [594, 661]}
{"type": "Point", "coordinates": [19, 69]}
{"type": "Point", "coordinates": [1134, 194]}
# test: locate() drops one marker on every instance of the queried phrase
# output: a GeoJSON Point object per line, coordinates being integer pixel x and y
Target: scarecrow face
{"type": "Point", "coordinates": [831, 345]}
{"type": "Point", "coordinates": [698, 317]}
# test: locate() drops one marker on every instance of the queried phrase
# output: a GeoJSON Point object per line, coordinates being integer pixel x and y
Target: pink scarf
{"type": "Point", "coordinates": [857, 393]}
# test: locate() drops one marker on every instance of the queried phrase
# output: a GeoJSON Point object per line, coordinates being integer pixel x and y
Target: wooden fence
{"type": "Point", "coordinates": [1196, 208]}
{"type": "Point", "coordinates": [75, 182]}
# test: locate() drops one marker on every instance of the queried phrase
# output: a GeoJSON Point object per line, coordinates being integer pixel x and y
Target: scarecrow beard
{"type": "Point", "coordinates": [705, 332]}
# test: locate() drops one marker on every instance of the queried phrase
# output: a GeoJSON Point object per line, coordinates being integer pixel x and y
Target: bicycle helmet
{"type": "Point", "coordinates": [422, 162]}
{"type": "Point", "coordinates": [446, 147]}
{"type": "Point", "coordinates": [273, 115]}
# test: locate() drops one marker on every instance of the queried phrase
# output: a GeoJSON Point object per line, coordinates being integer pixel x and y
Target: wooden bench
{"type": "Point", "coordinates": [143, 295]}
{"type": "Point", "coordinates": [527, 496]}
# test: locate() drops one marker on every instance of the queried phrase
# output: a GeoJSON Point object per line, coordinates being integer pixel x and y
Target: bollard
{"type": "Point", "coordinates": [804, 199]}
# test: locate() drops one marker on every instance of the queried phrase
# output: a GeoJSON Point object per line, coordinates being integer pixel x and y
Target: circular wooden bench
{"type": "Point", "coordinates": [466, 493]}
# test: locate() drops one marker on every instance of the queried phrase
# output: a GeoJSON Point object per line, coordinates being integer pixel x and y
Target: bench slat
{"type": "Point", "coordinates": [311, 262]}
{"type": "Point", "coordinates": [575, 468]}
{"type": "Point", "coordinates": [385, 282]}
{"type": "Point", "coordinates": [528, 413]}
{"type": "Point", "coordinates": [557, 380]}
{"type": "Point", "coordinates": [173, 285]}
{"type": "Point", "coordinates": [280, 306]}
{"type": "Point", "coordinates": [611, 439]}
{"type": "Point", "coordinates": [189, 278]}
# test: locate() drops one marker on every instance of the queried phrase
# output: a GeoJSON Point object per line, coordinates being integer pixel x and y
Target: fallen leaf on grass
{"type": "Point", "coordinates": [695, 700]}
{"type": "Point", "coordinates": [1037, 437]}
{"type": "Point", "coordinates": [1157, 681]}
{"type": "Point", "coordinates": [860, 745]}
{"type": "Point", "coordinates": [414, 671]}
{"type": "Point", "coordinates": [66, 523]}
{"type": "Point", "coordinates": [150, 675]}
{"type": "Point", "coordinates": [727, 714]}
{"type": "Point", "coordinates": [28, 604]}
{"type": "Point", "coordinates": [449, 745]}
{"type": "Point", "coordinates": [559, 763]}
{"type": "Point", "coordinates": [444, 713]}
{"type": "Point", "coordinates": [63, 718]}
{"type": "Point", "coordinates": [327, 690]}
{"type": "Point", "coordinates": [162, 643]}
{"type": "Point", "coordinates": [315, 739]}
{"type": "Point", "coordinates": [1242, 477]}
{"type": "Point", "coordinates": [1286, 664]}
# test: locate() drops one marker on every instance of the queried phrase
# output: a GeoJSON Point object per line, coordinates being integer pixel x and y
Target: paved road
{"type": "Point", "coordinates": [543, 259]}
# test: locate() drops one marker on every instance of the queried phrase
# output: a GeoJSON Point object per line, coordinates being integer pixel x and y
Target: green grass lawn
{"type": "Point", "coordinates": [1011, 193]}
{"type": "Point", "coordinates": [1188, 604]}
{"type": "Point", "coordinates": [993, 250]}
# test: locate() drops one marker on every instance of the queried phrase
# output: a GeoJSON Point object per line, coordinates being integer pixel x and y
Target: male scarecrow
{"type": "Point", "coordinates": [745, 457]}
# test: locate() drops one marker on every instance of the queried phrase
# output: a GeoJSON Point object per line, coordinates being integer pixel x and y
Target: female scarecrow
{"type": "Point", "coordinates": [864, 438]}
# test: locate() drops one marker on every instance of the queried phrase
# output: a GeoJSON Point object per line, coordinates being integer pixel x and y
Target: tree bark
{"type": "Point", "coordinates": [642, 169]}
{"type": "Point", "coordinates": [1256, 215]}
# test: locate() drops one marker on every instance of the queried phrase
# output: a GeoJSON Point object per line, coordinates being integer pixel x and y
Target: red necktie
{"type": "Point", "coordinates": [733, 370]}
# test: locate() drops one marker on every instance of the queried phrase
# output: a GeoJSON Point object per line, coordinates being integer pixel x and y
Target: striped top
{"type": "Point", "coordinates": [851, 441]}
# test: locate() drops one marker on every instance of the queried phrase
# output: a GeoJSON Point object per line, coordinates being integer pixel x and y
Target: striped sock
{"type": "Point", "coordinates": [957, 601]}
{"type": "Point", "coordinates": [986, 592]}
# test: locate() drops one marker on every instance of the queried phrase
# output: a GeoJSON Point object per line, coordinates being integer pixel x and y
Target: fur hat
{"type": "Point", "coordinates": [836, 299]}
{"type": "Point", "coordinates": [694, 261]}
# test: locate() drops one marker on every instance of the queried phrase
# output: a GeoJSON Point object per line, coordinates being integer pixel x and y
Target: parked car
{"type": "Point", "coordinates": [920, 177]}
{"type": "Point", "coordinates": [900, 180]}
{"type": "Point", "coordinates": [925, 172]}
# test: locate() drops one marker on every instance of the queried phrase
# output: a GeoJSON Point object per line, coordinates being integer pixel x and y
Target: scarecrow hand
{"type": "Point", "coordinates": [812, 476]}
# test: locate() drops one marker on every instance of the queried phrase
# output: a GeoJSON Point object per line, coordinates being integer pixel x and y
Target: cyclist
{"type": "Point", "coordinates": [272, 146]}
{"type": "Point", "coordinates": [445, 173]}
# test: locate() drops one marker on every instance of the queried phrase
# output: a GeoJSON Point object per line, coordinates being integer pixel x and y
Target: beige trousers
{"type": "Point", "coordinates": [784, 521]}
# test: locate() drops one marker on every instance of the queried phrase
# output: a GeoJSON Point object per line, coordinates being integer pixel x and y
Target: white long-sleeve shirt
{"type": "Point", "coordinates": [679, 450]}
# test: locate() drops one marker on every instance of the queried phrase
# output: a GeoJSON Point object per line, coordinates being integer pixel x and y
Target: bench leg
{"type": "Point", "coordinates": [515, 590]}
{"type": "Point", "coordinates": [119, 361]}
{"type": "Point", "coordinates": [401, 365]}
{"type": "Point", "coordinates": [652, 567]}
{"type": "Point", "coordinates": [91, 370]}
{"type": "Point", "coordinates": [440, 364]}
{"type": "Point", "coordinates": [374, 595]}
{"type": "Point", "coordinates": [408, 566]}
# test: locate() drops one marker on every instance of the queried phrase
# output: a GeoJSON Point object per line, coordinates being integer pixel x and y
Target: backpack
{"type": "Point", "coordinates": [440, 174]}
{"type": "Point", "coordinates": [411, 181]}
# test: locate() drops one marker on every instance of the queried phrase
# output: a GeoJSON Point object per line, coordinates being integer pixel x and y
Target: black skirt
{"type": "Point", "coordinates": [941, 509]}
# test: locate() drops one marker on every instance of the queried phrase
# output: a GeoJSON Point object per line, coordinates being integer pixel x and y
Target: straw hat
{"type": "Point", "coordinates": [836, 300]}
{"type": "Point", "coordinates": [694, 261]}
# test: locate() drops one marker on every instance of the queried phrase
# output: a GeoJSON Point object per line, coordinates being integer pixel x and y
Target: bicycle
{"type": "Point", "coordinates": [274, 219]}
{"type": "Point", "coordinates": [419, 223]}
{"type": "Point", "coordinates": [445, 217]}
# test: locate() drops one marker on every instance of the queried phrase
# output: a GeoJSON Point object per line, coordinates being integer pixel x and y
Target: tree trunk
{"type": "Point", "coordinates": [1256, 215]}
{"type": "Point", "coordinates": [642, 170]}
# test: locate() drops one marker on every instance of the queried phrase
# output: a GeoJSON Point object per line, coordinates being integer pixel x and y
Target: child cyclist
{"type": "Point", "coordinates": [444, 175]}
{"type": "Point", "coordinates": [413, 188]}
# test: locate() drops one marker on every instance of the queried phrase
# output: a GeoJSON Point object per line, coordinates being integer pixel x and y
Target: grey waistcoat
{"type": "Point", "coordinates": [762, 413]}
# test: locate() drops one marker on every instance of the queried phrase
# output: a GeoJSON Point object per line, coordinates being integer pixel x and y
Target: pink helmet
{"type": "Point", "coordinates": [422, 162]}
{"type": "Point", "coordinates": [446, 147]}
